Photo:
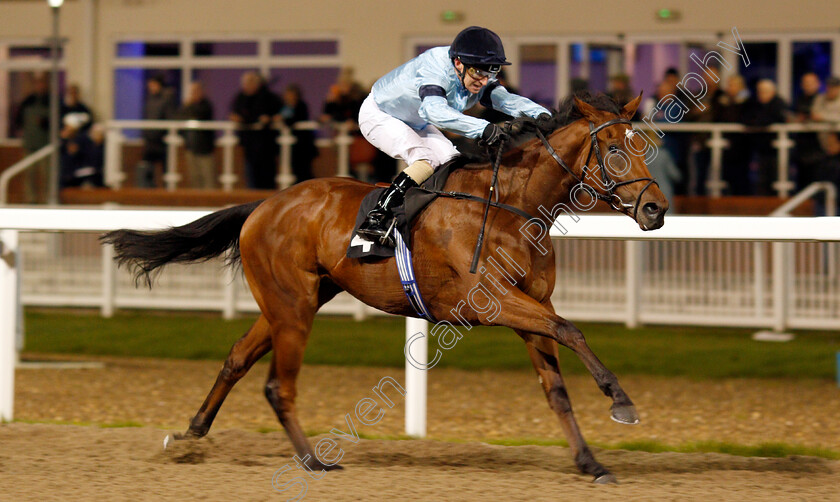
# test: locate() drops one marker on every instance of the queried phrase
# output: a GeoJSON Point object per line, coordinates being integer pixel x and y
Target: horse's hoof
{"type": "Point", "coordinates": [605, 479]}
{"type": "Point", "coordinates": [180, 437]}
{"type": "Point", "coordinates": [317, 466]}
{"type": "Point", "coordinates": [624, 414]}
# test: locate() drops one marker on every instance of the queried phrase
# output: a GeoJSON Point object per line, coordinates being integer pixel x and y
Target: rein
{"type": "Point", "coordinates": [480, 242]}
{"type": "Point", "coordinates": [609, 184]}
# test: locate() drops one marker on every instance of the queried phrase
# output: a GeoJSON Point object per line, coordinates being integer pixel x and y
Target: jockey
{"type": "Point", "coordinates": [406, 109]}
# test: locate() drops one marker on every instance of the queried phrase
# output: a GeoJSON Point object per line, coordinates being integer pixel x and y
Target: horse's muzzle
{"type": "Point", "coordinates": [652, 216]}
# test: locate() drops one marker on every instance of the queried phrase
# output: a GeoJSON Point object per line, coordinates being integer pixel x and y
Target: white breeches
{"type": "Point", "coordinates": [401, 141]}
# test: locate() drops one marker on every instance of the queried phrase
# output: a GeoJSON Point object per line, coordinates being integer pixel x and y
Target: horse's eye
{"type": "Point", "coordinates": [613, 148]}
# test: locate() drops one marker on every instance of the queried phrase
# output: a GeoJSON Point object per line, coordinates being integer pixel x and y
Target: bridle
{"type": "Point", "coordinates": [610, 197]}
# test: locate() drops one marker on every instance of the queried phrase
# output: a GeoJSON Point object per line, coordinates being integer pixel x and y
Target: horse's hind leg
{"type": "Point", "coordinates": [543, 353]}
{"type": "Point", "coordinates": [290, 333]}
{"type": "Point", "coordinates": [244, 353]}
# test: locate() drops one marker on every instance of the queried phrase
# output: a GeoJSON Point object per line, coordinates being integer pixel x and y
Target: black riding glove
{"type": "Point", "coordinates": [545, 123]}
{"type": "Point", "coordinates": [493, 135]}
{"type": "Point", "coordinates": [520, 125]}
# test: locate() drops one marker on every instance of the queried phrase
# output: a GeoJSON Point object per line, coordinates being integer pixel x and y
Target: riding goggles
{"type": "Point", "coordinates": [479, 74]}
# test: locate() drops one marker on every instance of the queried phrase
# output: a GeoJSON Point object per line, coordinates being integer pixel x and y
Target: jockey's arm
{"type": "Point", "coordinates": [436, 111]}
{"type": "Point", "coordinates": [498, 98]}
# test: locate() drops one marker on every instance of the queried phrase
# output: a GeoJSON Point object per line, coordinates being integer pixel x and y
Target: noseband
{"type": "Point", "coordinates": [610, 197]}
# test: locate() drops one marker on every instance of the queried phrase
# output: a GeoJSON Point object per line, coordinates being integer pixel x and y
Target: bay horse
{"type": "Point", "coordinates": [292, 250]}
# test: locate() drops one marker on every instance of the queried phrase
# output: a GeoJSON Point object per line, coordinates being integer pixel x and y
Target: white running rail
{"type": "Point", "coordinates": [591, 242]}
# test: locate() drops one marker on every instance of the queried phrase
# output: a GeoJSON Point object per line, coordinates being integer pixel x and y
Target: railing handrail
{"type": "Point", "coordinates": [814, 188]}
{"type": "Point", "coordinates": [315, 125]}
{"type": "Point", "coordinates": [18, 167]}
{"type": "Point", "coordinates": [224, 125]}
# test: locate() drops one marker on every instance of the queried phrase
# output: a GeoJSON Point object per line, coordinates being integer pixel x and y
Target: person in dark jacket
{"type": "Point", "coordinates": [199, 143]}
{"type": "Point", "coordinates": [730, 109]}
{"type": "Point", "coordinates": [808, 153]}
{"type": "Point", "coordinates": [766, 109]}
{"type": "Point", "coordinates": [160, 104]}
{"type": "Point", "coordinates": [303, 151]}
{"type": "Point", "coordinates": [255, 108]}
{"type": "Point", "coordinates": [33, 121]}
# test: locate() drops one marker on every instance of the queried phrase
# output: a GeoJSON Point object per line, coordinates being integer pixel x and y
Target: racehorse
{"type": "Point", "coordinates": [292, 250]}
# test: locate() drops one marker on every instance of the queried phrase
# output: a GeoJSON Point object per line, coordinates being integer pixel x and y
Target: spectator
{"type": "Point", "coordinates": [673, 142]}
{"type": "Point", "coordinates": [74, 111]}
{"type": "Point", "coordinates": [76, 120]}
{"type": "Point", "coordinates": [699, 151]}
{"type": "Point", "coordinates": [829, 167]}
{"type": "Point", "coordinates": [344, 99]}
{"type": "Point", "coordinates": [82, 158]}
{"type": "Point", "coordinates": [808, 152]}
{"type": "Point", "coordinates": [342, 105]}
{"type": "Point", "coordinates": [160, 104]}
{"type": "Point", "coordinates": [663, 168]}
{"type": "Point", "coordinates": [621, 92]}
{"type": "Point", "coordinates": [254, 108]}
{"type": "Point", "coordinates": [303, 151]}
{"type": "Point", "coordinates": [730, 109]}
{"type": "Point", "coordinates": [826, 106]}
{"type": "Point", "coordinates": [766, 109]}
{"type": "Point", "coordinates": [199, 143]}
{"type": "Point", "coordinates": [33, 119]}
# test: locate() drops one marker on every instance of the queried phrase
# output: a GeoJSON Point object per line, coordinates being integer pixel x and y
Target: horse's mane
{"type": "Point", "coordinates": [565, 114]}
{"type": "Point", "coordinates": [568, 112]}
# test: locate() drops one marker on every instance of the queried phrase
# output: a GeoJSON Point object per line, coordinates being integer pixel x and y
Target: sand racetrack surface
{"type": "Point", "coordinates": [244, 450]}
{"type": "Point", "coordinates": [53, 462]}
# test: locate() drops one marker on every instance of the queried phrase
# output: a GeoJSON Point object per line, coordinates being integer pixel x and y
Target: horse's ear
{"type": "Point", "coordinates": [630, 108]}
{"type": "Point", "coordinates": [588, 111]}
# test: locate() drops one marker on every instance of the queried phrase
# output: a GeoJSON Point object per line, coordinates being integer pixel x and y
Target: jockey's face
{"type": "Point", "coordinates": [473, 81]}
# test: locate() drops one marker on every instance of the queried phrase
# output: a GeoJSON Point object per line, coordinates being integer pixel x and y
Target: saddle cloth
{"type": "Point", "coordinates": [416, 199]}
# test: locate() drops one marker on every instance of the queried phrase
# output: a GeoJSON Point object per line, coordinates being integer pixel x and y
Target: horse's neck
{"type": "Point", "coordinates": [529, 178]}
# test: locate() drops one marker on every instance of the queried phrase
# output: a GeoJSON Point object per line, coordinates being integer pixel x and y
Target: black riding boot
{"type": "Point", "coordinates": [377, 226]}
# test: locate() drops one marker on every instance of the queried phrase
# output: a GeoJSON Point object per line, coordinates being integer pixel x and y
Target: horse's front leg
{"type": "Point", "coordinates": [543, 353]}
{"type": "Point", "coordinates": [521, 312]}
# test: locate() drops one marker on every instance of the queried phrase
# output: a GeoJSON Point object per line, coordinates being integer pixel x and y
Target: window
{"type": "Point", "coordinates": [21, 63]}
{"type": "Point", "coordinates": [218, 63]}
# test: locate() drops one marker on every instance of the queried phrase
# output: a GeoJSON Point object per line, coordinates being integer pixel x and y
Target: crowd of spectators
{"type": "Point", "coordinates": [749, 162]}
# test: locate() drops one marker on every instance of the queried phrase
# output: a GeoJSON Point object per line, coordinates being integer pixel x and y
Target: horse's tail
{"type": "Point", "coordinates": [205, 238]}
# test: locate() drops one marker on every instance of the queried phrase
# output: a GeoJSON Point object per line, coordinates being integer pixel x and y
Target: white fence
{"type": "Point", "coordinates": [767, 272]}
{"type": "Point", "coordinates": [717, 143]}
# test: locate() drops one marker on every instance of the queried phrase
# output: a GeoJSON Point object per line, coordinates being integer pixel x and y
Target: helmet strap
{"type": "Point", "coordinates": [460, 73]}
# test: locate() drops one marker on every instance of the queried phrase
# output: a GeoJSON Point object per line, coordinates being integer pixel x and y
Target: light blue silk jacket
{"type": "Point", "coordinates": [426, 90]}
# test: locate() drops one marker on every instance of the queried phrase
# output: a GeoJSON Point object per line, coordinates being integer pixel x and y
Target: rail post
{"type": "Point", "coordinates": [229, 286]}
{"type": "Point", "coordinates": [415, 378]}
{"type": "Point", "coordinates": [343, 140]}
{"type": "Point", "coordinates": [783, 145]}
{"type": "Point", "coordinates": [782, 253]}
{"type": "Point", "coordinates": [172, 140]}
{"type": "Point", "coordinates": [10, 322]}
{"type": "Point", "coordinates": [228, 143]}
{"type": "Point", "coordinates": [114, 173]}
{"type": "Point", "coordinates": [285, 178]}
{"type": "Point", "coordinates": [633, 281]}
{"type": "Point", "coordinates": [109, 281]}
{"type": "Point", "coordinates": [715, 183]}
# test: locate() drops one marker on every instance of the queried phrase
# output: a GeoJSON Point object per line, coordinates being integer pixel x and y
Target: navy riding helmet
{"type": "Point", "coordinates": [476, 46]}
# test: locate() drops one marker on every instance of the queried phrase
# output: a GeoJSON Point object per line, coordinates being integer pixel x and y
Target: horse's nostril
{"type": "Point", "coordinates": [651, 209]}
